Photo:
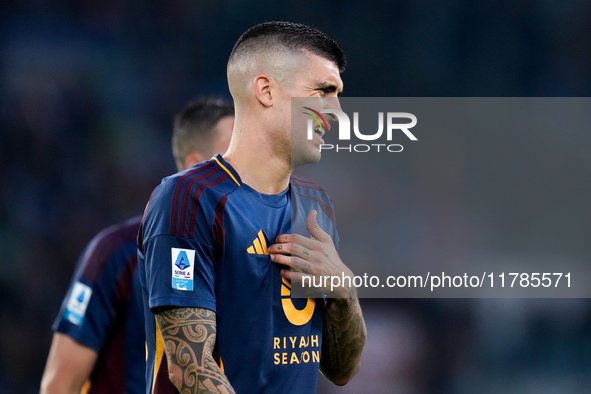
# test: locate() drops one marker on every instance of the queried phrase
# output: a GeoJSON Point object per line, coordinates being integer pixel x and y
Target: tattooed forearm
{"type": "Point", "coordinates": [343, 339]}
{"type": "Point", "coordinates": [189, 337]}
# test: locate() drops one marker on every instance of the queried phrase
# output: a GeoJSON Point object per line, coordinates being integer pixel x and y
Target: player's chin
{"type": "Point", "coordinates": [315, 156]}
{"type": "Point", "coordinates": [311, 156]}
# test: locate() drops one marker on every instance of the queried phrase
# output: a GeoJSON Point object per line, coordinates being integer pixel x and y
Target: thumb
{"type": "Point", "coordinates": [314, 229]}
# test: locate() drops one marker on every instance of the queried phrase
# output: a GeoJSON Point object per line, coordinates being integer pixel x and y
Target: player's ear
{"type": "Point", "coordinates": [262, 90]}
{"type": "Point", "coordinates": [193, 158]}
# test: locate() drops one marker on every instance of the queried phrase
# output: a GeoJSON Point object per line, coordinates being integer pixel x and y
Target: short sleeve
{"type": "Point", "coordinates": [179, 272]}
{"type": "Point", "coordinates": [180, 238]}
{"type": "Point", "coordinates": [91, 303]}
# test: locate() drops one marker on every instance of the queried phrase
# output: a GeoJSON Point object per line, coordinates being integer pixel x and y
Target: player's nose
{"type": "Point", "coordinates": [332, 103]}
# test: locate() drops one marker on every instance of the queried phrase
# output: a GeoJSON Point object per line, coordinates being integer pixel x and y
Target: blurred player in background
{"type": "Point", "coordinates": [216, 243]}
{"type": "Point", "coordinates": [99, 340]}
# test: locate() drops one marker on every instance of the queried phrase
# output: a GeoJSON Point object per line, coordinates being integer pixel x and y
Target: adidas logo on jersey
{"type": "Point", "coordinates": [259, 245]}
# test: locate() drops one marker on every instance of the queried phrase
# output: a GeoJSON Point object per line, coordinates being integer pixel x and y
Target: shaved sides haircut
{"type": "Point", "coordinates": [274, 45]}
{"type": "Point", "coordinates": [194, 126]}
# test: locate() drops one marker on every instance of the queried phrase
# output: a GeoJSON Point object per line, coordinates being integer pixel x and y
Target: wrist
{"type": "Point", "coordinates": [344, 294]}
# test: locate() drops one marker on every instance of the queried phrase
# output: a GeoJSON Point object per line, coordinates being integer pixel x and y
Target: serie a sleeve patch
{"type": "Point", "coordinates": [183, 263]}
{"type": "Point", "coordinates": [77, 303]}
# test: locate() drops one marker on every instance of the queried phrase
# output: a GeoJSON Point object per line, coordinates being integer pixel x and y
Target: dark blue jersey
{"type": "Point", "coordinates": [203, 243]}
{"type": "Point", "coordinates": [104, 311]}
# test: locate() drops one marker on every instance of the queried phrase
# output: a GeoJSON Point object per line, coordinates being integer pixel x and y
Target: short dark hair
{"type": "Point", "coordinates": [293, 36]}
{"type": "Point", "coordinates": [193, 126]}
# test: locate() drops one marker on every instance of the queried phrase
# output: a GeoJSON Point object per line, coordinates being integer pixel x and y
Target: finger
{"type": "Point", "coordinates": [303, 241]}
{"type": "Point", "coordinates": [286, 274]}
{"type": "Point", "coordinates": [295, 263]}
{"type": "Point", "coordinates": [291, 249]}
{"type": "Point", "coordinates": [281, 259]}
{"type": "Point", "coordinates": [283, 238]}
{"type": "Point", "coordinates": [281, 248]}
{"type": "Point", "coordinates": [293, 276]}
{"type": "Point", "coordinates": [314, 229]}
{"type": "Point", "coordinates": [300, 265]}
{"type": "Point", "coordinates": [296, 279]}
{"type": "Point", "coordinates": [296, 244]}
{"type": "Point", "coordinates": [295, 238]}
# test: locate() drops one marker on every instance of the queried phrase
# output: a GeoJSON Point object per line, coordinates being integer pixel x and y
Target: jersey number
{"type": "Point", "coordinates": [297, 317]}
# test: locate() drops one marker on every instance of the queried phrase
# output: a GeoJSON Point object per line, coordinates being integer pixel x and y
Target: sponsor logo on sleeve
{"type": "Point", "coordinates": [77, 303]}
{"type": "Point", "coordinates": [183, 261]}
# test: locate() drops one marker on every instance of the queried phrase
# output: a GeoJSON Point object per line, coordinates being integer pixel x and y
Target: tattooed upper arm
{"type": "Point", "coordinates": [189, 336]}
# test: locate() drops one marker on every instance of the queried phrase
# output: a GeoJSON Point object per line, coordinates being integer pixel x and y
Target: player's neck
{"type": "Point", "coordinates": [260, 169]}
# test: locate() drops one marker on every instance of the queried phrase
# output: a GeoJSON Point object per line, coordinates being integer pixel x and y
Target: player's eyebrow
{"type": "Point", "coordinates": [328, 87]}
